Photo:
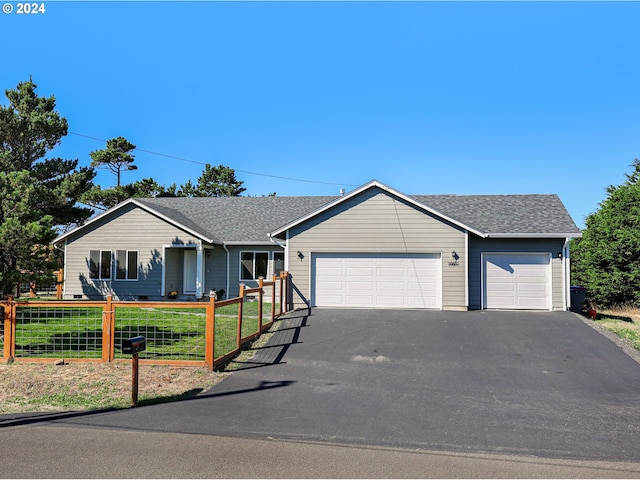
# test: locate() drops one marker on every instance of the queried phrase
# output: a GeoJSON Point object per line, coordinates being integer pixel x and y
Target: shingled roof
{"type": "Point", "coordinates": [234, 219]}
{"type": "Point", "coordinates": [252, 219]}
{"type": "Point", "coordinates": [505, 215]}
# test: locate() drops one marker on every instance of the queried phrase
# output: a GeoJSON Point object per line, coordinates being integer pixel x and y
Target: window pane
{"type": "Point", "coordinates": [121, 264]}
{"type": "Point", "coordinates": [132, 265]}
{"type": "Point", "coordinates": [262, 261]}
{"type": "Point", "coordinates": [246, 262]}
{"type": "Point", "coordinates": [94, 264]}
{"type": "Point", "coordinates": [278, 262]}
{"type": "Point", "coordinates": [105, 264]}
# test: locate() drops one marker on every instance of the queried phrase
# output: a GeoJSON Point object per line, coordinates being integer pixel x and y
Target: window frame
{"type": "Point", "coordinates": [100, 265]}
{"type": "Point", "coordinates": [253, 264]}
{"type": "Point", "coordinates": [127, 270]}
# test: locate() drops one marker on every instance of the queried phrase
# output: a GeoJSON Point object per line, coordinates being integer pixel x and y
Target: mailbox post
{"type": "Point", "coordinates": [133, 346]}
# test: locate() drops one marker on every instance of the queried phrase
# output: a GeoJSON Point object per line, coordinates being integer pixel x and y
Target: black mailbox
{"type": "Point", "coordinates": [134, 345]}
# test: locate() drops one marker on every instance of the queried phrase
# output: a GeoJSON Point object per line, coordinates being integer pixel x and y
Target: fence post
{"type": "Point", "coordinates": [108, 325]}
{"type": "Point", "coordinates": [261, 285]}
{"type": "Point", "coordinates": [209, 333]}
{"type": "Point", "coordinates": [59, 284]}
{"type": "Point", "coordinates": [240, 305]}
{"type": "Point", "coordinates": [9, 330]}
{"type": "Point", "coordinates": [287, 281]}
{"type": "Point", "coordinates": [281, 292]}
{"type": "Point", "coordinates": [273, 299]}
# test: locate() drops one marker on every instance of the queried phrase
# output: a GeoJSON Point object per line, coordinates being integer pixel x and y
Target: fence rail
{"type": "Point", "coordinates": [177, 333]}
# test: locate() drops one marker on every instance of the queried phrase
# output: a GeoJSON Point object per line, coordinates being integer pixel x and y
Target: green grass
{"type": "Point", "coordinates": [623, 323]}
{"type": "Point", "coordinates": [171, 333]}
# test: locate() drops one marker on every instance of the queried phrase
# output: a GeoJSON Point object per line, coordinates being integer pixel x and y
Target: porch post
{"type": "Point", "coordinates": [199, 270]}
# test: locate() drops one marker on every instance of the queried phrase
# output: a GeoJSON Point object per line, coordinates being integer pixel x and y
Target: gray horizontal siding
{"type": "Point", "coordinates": [234, 265]}
{"type": "Point", "coordinates": [377, 222]}
{"type": "Point", "coordinates": [478, 245]}
{"type": "Point", "coordinates": [127, 229]}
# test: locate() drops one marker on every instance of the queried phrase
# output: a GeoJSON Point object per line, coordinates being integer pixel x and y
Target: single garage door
{"type": "Point", "coordinates": [517, 281]}
{"type": "Point", "coordinates": [376, 280]}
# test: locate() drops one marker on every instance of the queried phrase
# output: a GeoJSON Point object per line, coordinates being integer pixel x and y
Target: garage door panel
{"type": "Point", "coordinates": [355, 286]}
{"type": "Point", "coordinates": [532, 289]}
{"type": "Point", "coordinates": [377, 280]}
{"type": "Point", "coordinates": [386, 285]}
{"type": "Point", "coordinates": [517, 281]}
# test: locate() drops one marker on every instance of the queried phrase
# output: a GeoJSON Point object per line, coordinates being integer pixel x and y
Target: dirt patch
{"type": "Point", "coordinates": [26, 387]}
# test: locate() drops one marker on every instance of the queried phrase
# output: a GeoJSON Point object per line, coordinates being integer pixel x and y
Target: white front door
{"type": "Point", "coordinates": [190, 272]}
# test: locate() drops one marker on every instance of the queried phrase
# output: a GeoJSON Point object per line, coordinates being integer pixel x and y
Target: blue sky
{"type": "Point", "coordinates": [427, 97]}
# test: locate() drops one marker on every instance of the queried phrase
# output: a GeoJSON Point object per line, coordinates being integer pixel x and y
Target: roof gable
{"type": "Point", "coordinates": [484, 215]}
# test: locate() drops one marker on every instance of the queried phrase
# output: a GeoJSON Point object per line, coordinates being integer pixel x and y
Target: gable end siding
{"type": "Point", "coordinates": [377, 222]}
{"type": "Point", "coordinates": [129, 229]}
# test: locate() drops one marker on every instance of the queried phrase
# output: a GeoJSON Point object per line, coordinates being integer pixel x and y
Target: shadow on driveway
{"type": "Point", "coordinates": [542, 384]}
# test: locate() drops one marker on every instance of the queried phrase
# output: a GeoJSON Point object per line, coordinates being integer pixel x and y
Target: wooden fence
{"type": "Point", "coordinates": [196, 333]}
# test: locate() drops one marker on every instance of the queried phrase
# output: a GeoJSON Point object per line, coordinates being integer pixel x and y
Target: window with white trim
{"type": "Point", "coordinates": [126, 265]}
{"type": "Point", "coordinates": [253, 265]}
{"type": "Point", "coordinates": [100, 264]}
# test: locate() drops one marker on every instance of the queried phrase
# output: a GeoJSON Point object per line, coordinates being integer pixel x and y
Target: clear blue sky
{"type": "Point", "coordinates": [427, 97]}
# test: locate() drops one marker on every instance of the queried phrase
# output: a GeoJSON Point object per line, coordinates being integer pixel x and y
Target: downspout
{"type": "Point", "coordinates": [224, 245]}
{"type": "Point", "coordinates": [284, 245]}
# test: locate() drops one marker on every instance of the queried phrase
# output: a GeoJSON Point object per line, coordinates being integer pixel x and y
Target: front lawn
{"type": "Point", "coordinates": [171, 333]}
{"type": "Point", "coordinates": [625, 323]}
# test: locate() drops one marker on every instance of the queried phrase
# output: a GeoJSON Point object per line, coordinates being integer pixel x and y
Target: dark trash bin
{"type": "Point", "coordinates": [577, 298]}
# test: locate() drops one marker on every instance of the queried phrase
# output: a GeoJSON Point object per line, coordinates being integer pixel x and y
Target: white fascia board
{"type": "Point", "coordinates": [143, 207]}
{"type": "Point", "coordinates": [533, 235]}
{"type": "Point", "coordinates": [386, 188]}
{"type": "Point", "coordinates": [244, 243]}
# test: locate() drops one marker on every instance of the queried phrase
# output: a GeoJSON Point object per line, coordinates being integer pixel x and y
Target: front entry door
{"type": "Point", "coordinates": [190, 272]}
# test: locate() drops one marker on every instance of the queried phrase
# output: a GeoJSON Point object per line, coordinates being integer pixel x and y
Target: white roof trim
{"type": "Point", "coordinates": [143, 207]}
{"type": "Point", "coordinates": [386, 188]}
{"type": "Point", "coordinates": [534, 235]}
{"type": "Point", "coordinates": [249, 243]}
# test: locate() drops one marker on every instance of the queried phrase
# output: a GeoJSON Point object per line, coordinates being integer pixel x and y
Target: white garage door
{"type": "Point", "coordinates": [376, 280]}
{"type": "Point", "coordinates": [517, 281]}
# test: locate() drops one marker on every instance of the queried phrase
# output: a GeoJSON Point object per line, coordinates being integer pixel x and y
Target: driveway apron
{"type": "Point", "coordinates": [542, 384]}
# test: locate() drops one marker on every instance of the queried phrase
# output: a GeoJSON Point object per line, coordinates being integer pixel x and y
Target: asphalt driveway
{"type": "Point", "coordinates": [542, 384]}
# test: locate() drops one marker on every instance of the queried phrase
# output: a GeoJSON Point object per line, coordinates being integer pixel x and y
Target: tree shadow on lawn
{"type": "Point", "coordinates": [91, 341]}
{"type": "Point", "coordinates": [607, 316]}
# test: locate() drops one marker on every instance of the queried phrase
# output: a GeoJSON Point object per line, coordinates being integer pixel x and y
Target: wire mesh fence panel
{"type": "Point", "coordinates": [170, 333]}
{"type": "Point", "coordinates": [58, 332]}
{"type": "Point", "coordinates": [38, 290]}
{"type": "Point", "coordinates": [226, 330]}
{"type": "Point", "coordinates": [250, 310]}
{"type": "Point", "coordinates": [267, 304]}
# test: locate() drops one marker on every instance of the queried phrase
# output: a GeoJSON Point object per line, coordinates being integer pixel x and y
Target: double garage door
{"type": "Point", "coordinates": [517, 281]}
{"type": "Point", "coordinates": [381, 280]}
